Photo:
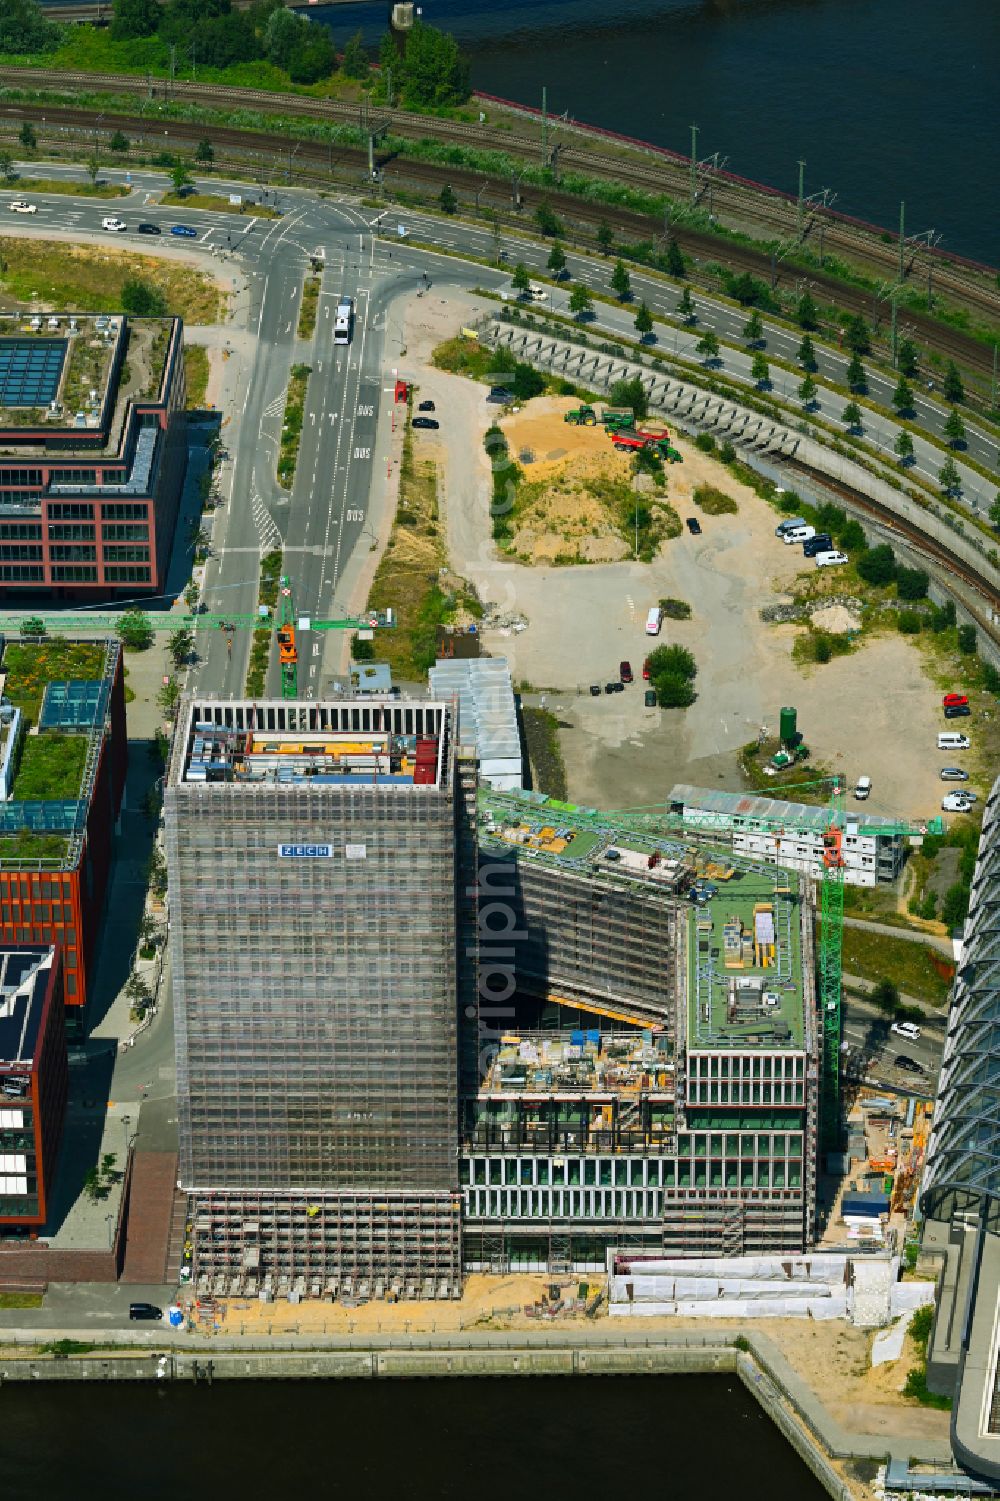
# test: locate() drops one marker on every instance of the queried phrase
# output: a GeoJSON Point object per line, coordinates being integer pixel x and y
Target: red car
{"type": "Point", "coordinates": [954, 700]}
{"type": "Point", "coordinates": [645, 669]}
{"type": "Point", "coordinates": [625, 671]}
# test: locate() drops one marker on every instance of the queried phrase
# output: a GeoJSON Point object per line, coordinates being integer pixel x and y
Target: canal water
{"type": "Point", "coordinates": [883, 99]}
{"type": "Point", "coordinates": [697, 1438]}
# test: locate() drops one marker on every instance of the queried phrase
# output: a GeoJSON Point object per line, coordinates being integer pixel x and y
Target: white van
{"type": "Point", "coordinates": [863, 788]}
{"type": "Point", "coordinates": [830, 559]}
{"type": "Point", "coordinates": [949, 740]}
{"type": "Point", "coordinates": [537, 292]}
{"type": "Point", "coordinates": [798, 534]}
{"type": "Point", "coordinates": [654, 620]}
{"type": "Point", "coordinates": [791, 525]}
{"type": "Point", "coordinates": [907, 1030]}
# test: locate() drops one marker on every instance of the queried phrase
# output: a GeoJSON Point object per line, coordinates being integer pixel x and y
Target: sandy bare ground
{"type": "Point", "coordinates": [874, 712]}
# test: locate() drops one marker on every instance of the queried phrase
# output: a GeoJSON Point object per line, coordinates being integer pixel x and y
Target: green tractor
{"type": "Point", "coordinates": [617, 418]}
{"type": "Point", "coordinates": [581, 416]}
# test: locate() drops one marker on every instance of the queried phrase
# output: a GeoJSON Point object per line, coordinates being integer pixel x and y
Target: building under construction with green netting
{"type": "Point", "coordinates": [649, 1056]}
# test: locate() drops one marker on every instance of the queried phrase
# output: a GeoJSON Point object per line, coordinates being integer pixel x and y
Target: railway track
{"type": "Point", "coordinates": [774, 212]}
{"type": "Point", "coordinates": [494, 191]}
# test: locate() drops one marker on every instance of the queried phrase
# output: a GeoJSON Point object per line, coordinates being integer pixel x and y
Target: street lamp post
{"type": "Point", "coordinates": [125, 1125]}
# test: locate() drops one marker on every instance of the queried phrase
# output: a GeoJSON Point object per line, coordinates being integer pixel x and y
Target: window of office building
{"type": "Point", "coordinates": [72, 476]}
{"type": "Point", "coordinates": [128, 531]}
{"type": "Point", "coordinates": [21, 572]}
{"type": "Point", "coordinates": [23, 550]}
{"type": "Point", "coordinates": [24, 531]}
{"type": "Point", "coordinates": [73, 554]}
{"type": "Point", "coordinates": [71, 531]}
{"type": "Point", "coordinates": [70, 510]}
{"type": "Point", "coordinates": [121, 510]}
{"type": "Point", "coordinates": [74, 573]}
{"type": "Point", "coordinates": [126, 554]}
{"type": "Point", "coordinates": [127, 573]}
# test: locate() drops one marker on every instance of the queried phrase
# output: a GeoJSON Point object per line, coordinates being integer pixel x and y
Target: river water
{"type": "Point", "coordinates": [883, 99]}
{"type": "Point", "coordinates": [698, 1438]}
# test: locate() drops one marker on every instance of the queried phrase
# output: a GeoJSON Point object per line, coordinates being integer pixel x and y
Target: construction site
{"type": "Point", "coordinates": [655, 1084]}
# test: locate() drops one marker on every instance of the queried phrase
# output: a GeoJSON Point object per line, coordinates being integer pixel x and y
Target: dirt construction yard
{"type": "Point", "coordinates": [873, 712]}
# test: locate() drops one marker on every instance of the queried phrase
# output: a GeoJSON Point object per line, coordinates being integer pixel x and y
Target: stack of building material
{"type": "Point", "coordinates": [487, 714]}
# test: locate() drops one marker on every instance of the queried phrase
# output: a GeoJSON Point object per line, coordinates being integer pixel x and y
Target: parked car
{"type": "Point", "coordinates": [954, 774]}
{"type": "Point", "coordinates": [821, 543]}
{"type": "Point", "coordinates": [645, 669]}
{"type": "Point", "coordinates": [863, 788]}
{"type": "Point", "coordinates": [144, 1311]}
{"type": "Point", "coordinates": [625, 671]}
{"type": "Point", "coordinates": [22, 206]}
{"type": "Point", "coordinates": [952, 740]}
{"type": "Point", "coordinates": [830, 559]}
{"type": "Point", "coordinates": [956, 802]}
{"type": "Point", "coordinates": [693, 526]}
{"type": "Point", "coordinates": [111, 222]}
{"type": "Point", "coordinates": [953, 700]}
{"type": "Point", "coordinates": [612, 687]}
{"type": "Point", "coordinates": [649, 698]}
{"type": "Point", "coordinates": [148, 229]}
{"type": "Point", "coordinates": [500, 394]}
{"type": "Point", "coordinates": [595, 690]}
{"type": "Point", "coordinates": [957, 711]}
{"type": "Point", "coordinates": [906, 1029]}
{"type": "Point", "coordinates": [798, 534]}
{"type": "Point", "coordinates": [911, 1065]}
{"type": "Point", "coordinates": [425, 422]}
{"type": "Point", "coordinates": [427, 406]}
{"type": "Point", "coordinates": [791, 525]}
{"type": "Point", "coordinates": [185, 231]}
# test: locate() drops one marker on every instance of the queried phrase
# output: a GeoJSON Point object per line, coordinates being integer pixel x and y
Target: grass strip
{"type": "Point", "coordinates": [291, 427]}
{"type": "Point", "coordinates": [82, 278]}
{"type": "Point", "coordinates": [310, 307]}
{"type": "Point", "coordinates": [913, 968]}
{"type": "Point", "coordinates": [71, 189]}
{"type": "Point", "coordinates": [195, 376]}
{"type": "Point", "coordinates": [548, 770]}
{"type": "Point", "coordinates": [260, 646]}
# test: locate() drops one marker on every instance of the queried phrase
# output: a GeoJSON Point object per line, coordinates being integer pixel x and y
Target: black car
{"type": "Point", "coordinates": [149, 229]}
{"type": "Point", "coordinates": [425, 422]}
{"type": "Point", "coordinates": [823, 542]}
{"type": "Point", "coordinates": [694, 526]}
{"type": "Point", "coordinates": [427, 406]}
{"type": "Point", "coordinates": [911, 1065]}
{"type": "Point", "coordinates": [148, 1311]}
{"type": "Point", "coordinates": [595, 690]}
{"type": "Point", "coordinates": [500, 394]}
{"type": "Point", "coordinates": [649, 698]}
{"type": "Point", "coordinates": [957, 711]}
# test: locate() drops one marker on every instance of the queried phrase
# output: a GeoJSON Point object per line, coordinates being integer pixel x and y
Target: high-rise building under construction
{"type": "Point", "coordinates": [312, 851]}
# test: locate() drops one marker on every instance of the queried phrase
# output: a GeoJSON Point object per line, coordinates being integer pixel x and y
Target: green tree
{"type": "Point", "coordinates": [526, 381]}
{"type": "Point", "coordinates": [142, 299]}
{"type": "Point", "coordinates": [708, 345]}
{"type": "Point", "coordinates": [912, 583]}
{"type": "Point", "coordinates": [955, 907]}
{"type": "Point", "coordinates": [630, 393]}
{"type": "Point", "coordinates": [436, 74]}
{"type": "Point", "coordinates": [908, 623]}
{"type": "Point", "coordinates": [391, 72]}
{"type": "Point", "coordinates": [952, 386]}
{"type": "Point", "coordinates": [954, 428]}
{"type": "Point", "coordinates": [760, 371]}
{"type": "Point", "coordinates": [904, 447]}
{"type": "Point", "coordinates": [949, 478]}
{"type": "Point", "coordinates": [857, 380]}
{"type": "Point", "coordinates": [181, 645]}
{"type": "Point", "coordinates": [967, 640]}
{"type": "Point", "coordinates": [24, 29]}
{"type": "Point", "coordinates": [580, 300]}
{"type": "Point", "coordinates": [557, 260]}
{"type": "Point", "coordinates": [547, 221]}
{"type": "Point", "coordinates": [747, 289]}
{"type": "Point", "coordinates": [807, 354]}
{"type": "Point", "coordinates": [685, 306]}
{"type": "Point", "coordinates": [355, 62]}
{"type": "Point", "coordinates": [520, 279]}
{"type": "Point", "coordinates": [643, 322]}
{"type": "Point", "coordinates": [180, 177]}
{"type": "Point", "coordinates": [7, 171]}
{"type": "Point", "coordinates": [885, 996]}
{"type": "Point", "coordinates": [621, 282]}
{"type": "Point", "coordinates": [851, 416]}
{"type": "Point", "coordinates": [93, 165]}
{"type": "Point", "coordinates": [807, 313]}
{"type": "Point", "coordinates": [822, 647]}
{"type": "Point", "coordinates": [807, 391]}
{"type": "Point", "coordinates": [857, 335]}
{"type": "Point", "coordinates": [27, 136]}
{"type": "Point", "coordinates": [447, 199]}
{"type": "Point", "coordinates": [605, 236]}
{"type": "Point", "coordinates": [753, 328]}
{"type": "Point", "coordinates": [135, 631]}
{"type": "Point", "coordinates": [132, 19]}
{"type": "Point", "coordinates": [994, 512]}
{"type": "Point", "coordinates": [672, 672]}
{"type": "Point", "coordinates": [675, 259]}
{"type": "Point", "coordinates": [119, 142]}
{"type": "Point", "coordinates": [902, 397]}
{"type": "Point", "coordinates": [851, 537]}
{"type": "Point", "coordinates": [167, 696]}
{"type": "Point", "coordinates": [205, 153]}
{"type": "Point", "coordinates": [878, 565]}
{"type": "Point", "coordinates": [906, 358]}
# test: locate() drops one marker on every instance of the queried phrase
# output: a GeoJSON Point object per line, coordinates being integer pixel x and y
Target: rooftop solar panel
{"type": "Point", "coordinates": [30, 370]}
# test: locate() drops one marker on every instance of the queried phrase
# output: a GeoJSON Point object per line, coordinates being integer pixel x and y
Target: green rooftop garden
{"type": "Point", "coordinates": [31, 666]}
{"type": "Point", "coordinates": [28, 846]}
{"type": "Point", "coordinates": [51, 768]}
